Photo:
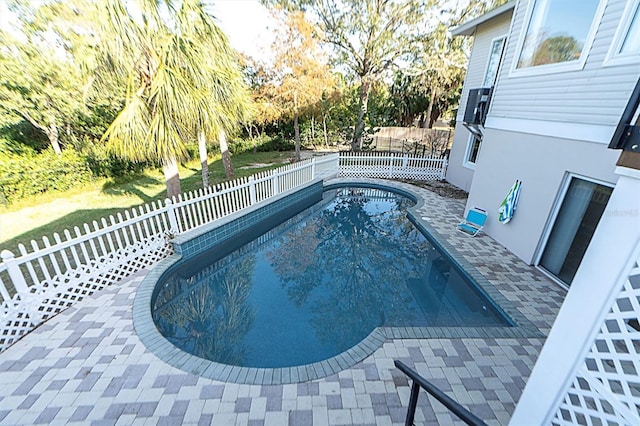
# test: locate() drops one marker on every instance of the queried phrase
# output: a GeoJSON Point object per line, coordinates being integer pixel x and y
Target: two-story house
{"type": "Point", "coordinates": [549, 80]}
{"type": "Point", "coordinates": [564, 103]}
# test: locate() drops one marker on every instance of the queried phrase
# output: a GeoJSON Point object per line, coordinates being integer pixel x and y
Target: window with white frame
{"type": "Point", "coordinates": [626, 44]}
{"type": "Point", "coordinates": [558, 32]}
{"type": "Point", "coordinates": [473, 148]}
{"type": "Point", "coordinates": [495, 56]}
{"type": "Point", "coordinates": [490, 75]}
{"type": "Point", "coordinates": [631, 42]}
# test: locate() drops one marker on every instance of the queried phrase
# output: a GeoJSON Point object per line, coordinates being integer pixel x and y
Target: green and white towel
{"type": "Point", "coordinates": [508, 206]}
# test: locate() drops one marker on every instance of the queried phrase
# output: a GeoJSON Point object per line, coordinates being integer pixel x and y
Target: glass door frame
{"type": "Point", "coordinates": [553, 216]}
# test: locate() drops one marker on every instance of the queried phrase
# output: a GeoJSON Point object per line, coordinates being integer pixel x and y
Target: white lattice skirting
{"type": "Point", "coordinates": [606, 389]}
{"type": "Point", "coordinates": [388, 173]}
{"type": "Point", "coordinates": [22, 313]}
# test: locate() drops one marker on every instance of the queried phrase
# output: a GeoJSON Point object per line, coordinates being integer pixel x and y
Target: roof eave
{"type": "Point", "coordinates": [469, 28]}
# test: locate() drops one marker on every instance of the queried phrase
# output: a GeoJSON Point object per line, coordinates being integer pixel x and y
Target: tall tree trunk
{"type": "Point", "coordinates": [204, 160]}
{"type": "Point", "coordinates": [432, 99]}
{"type": "Point", "coordinates": [51, 131]}
{"type": "Point", "coordinates": [249, 129]}
{"type": "Point", "coordinates": [356, 143]}
{"type": "Point", "coordinates": [226, 157]}
{"type": "Point", "coordinates": [296, 128]}
{"type": "Point", "coordinates": [296, 125]}
{"type": "Point", "coordinates": [53, 136]}
{"type": "Point", "coordinates": [435, 115]}
{"type": "Point", "coordinates": [324, 130]}
{"type": "Point", "coordinates": [171, 177]}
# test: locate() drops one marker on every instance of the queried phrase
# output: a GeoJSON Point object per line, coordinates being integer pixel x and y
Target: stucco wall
{"type": "Point", "coordinates": [457, 173]}
{"type": "Point", "coordinates": [541, 163]}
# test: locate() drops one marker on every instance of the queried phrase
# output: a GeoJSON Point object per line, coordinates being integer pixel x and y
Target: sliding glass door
{"type": "Point", "coordinates": [573, 228]}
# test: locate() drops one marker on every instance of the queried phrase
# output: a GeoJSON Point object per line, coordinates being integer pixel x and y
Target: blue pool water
{"type": "Point", "coordinates": [317, 285]}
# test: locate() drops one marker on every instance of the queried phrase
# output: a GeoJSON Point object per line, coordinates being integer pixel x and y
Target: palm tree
{"type": "Point", "coordinates": [180, 76]}
{"type": "Point", "coordinates": [228, 94]}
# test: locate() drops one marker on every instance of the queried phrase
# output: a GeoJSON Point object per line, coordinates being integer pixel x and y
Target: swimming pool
{"type": "Point", "coordinates": [316, 285]}
{"type": "Point", "coordinates": [306, 300]}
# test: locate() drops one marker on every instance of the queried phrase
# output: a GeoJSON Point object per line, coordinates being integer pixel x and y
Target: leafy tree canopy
{"type": "Point", "coordinates": [182, 78]}
{"type": "Point", "coordinates": [368, 37]}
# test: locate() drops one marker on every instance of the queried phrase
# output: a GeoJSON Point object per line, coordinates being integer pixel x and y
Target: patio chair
{"type": "Point", "coordinates": [474, 222]}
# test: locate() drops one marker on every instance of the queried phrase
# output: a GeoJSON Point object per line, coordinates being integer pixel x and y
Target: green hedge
{"type": "Point", "coordinates": [26, 175]}
{"type": "Point", "coordinates": [102, 163]}
{"type": "Point", "coordinates": [264, 143]}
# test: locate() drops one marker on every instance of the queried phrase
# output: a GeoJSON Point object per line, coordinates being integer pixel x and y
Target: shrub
{"type": "Point", "coordinates": [263, 143]}
{"type": "Point", "coordinates": [103, 163]}
{"type": "Point", "coordinates": [33, 174]}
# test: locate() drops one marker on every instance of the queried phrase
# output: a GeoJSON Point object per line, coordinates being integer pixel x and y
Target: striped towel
{"type": "Point", "coordinates": [508, 206]}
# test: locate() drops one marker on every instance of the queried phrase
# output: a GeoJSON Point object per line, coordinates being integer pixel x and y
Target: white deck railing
{"type": "Point", "coordinates": [50, 276]}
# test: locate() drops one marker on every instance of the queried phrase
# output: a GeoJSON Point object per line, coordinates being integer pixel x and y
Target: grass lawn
{"type": "Point", "coordinates": [45, 214]}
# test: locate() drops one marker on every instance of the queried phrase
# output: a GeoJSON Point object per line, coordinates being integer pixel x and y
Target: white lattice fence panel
{"type": "Point", "coordinates": [606, 389]}
{"type": "Point", "coordinates": [418, 173]}
{"type": "Point", "coordinates": [23, 312]}
{"type": "Point", "coordinates": [391, 166]}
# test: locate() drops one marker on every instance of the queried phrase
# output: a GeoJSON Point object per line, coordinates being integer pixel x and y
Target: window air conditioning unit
{"type": "Point", "coordinates": [477, 105]}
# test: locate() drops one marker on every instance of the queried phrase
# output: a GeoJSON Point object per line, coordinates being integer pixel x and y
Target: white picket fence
{"type": "Point", "coordinates": [50, 276]}
{"type": "Point", "coordinates": [392, 166]}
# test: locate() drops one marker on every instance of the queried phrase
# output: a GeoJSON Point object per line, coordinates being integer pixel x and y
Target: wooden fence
{"type": "Point", "coordinates": [412, 141]}
{"type": "Point", "coordinates": [49, 276]}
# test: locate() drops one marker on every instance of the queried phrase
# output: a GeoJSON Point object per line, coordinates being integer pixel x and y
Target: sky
{"type": "Point", "coordinates": [5, 16]}
{"type": "Point", "coordinates": [246, 23]}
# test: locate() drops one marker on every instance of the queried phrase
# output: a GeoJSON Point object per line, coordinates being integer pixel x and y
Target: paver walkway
{"type": "Point", "coordinates": [87, 365]}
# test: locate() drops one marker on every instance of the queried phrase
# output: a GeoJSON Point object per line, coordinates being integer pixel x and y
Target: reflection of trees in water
{"type": "Point", "coordinates": [362, 254]}
{"type": "Point", "coordinates": [208, 314]}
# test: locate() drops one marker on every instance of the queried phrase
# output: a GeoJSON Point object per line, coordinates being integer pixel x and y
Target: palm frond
{"type": "Point", "coordinates": [182, 76]}
{"type": "Point", "coordinates": [126, 135]}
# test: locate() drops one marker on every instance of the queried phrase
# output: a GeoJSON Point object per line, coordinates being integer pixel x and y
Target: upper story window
{"type": "Point", "coordinates": [631, 42]}
{"type": "Point", "coordinates": [558, 34]}
{"type": "Point", "coordinates": [491, 73]}
{"type": "Point", "coordinates": [495, 56]}
{"type": "Point", "coordinates": [626, 44]}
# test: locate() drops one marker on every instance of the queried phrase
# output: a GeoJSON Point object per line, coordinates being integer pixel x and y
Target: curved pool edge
{"type": "Point", "coordinates": [521, 326]}
{"type": "Point", "coordinates": [172, 355]}
{"type": "Point", "coordinates": [176, 357]}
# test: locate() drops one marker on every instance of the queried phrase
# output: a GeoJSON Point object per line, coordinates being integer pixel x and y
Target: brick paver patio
{"type": "Point", "coordinates": [87, 365]}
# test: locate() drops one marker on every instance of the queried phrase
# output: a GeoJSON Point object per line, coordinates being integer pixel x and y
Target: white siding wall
{"type": "Point", "coordinates": [595, 95]}
{"type": "Point", "coordinates": [457, 173]}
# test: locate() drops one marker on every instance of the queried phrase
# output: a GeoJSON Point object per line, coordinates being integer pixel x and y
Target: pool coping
{"type": "Point", "coordinates": [172, 355]}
